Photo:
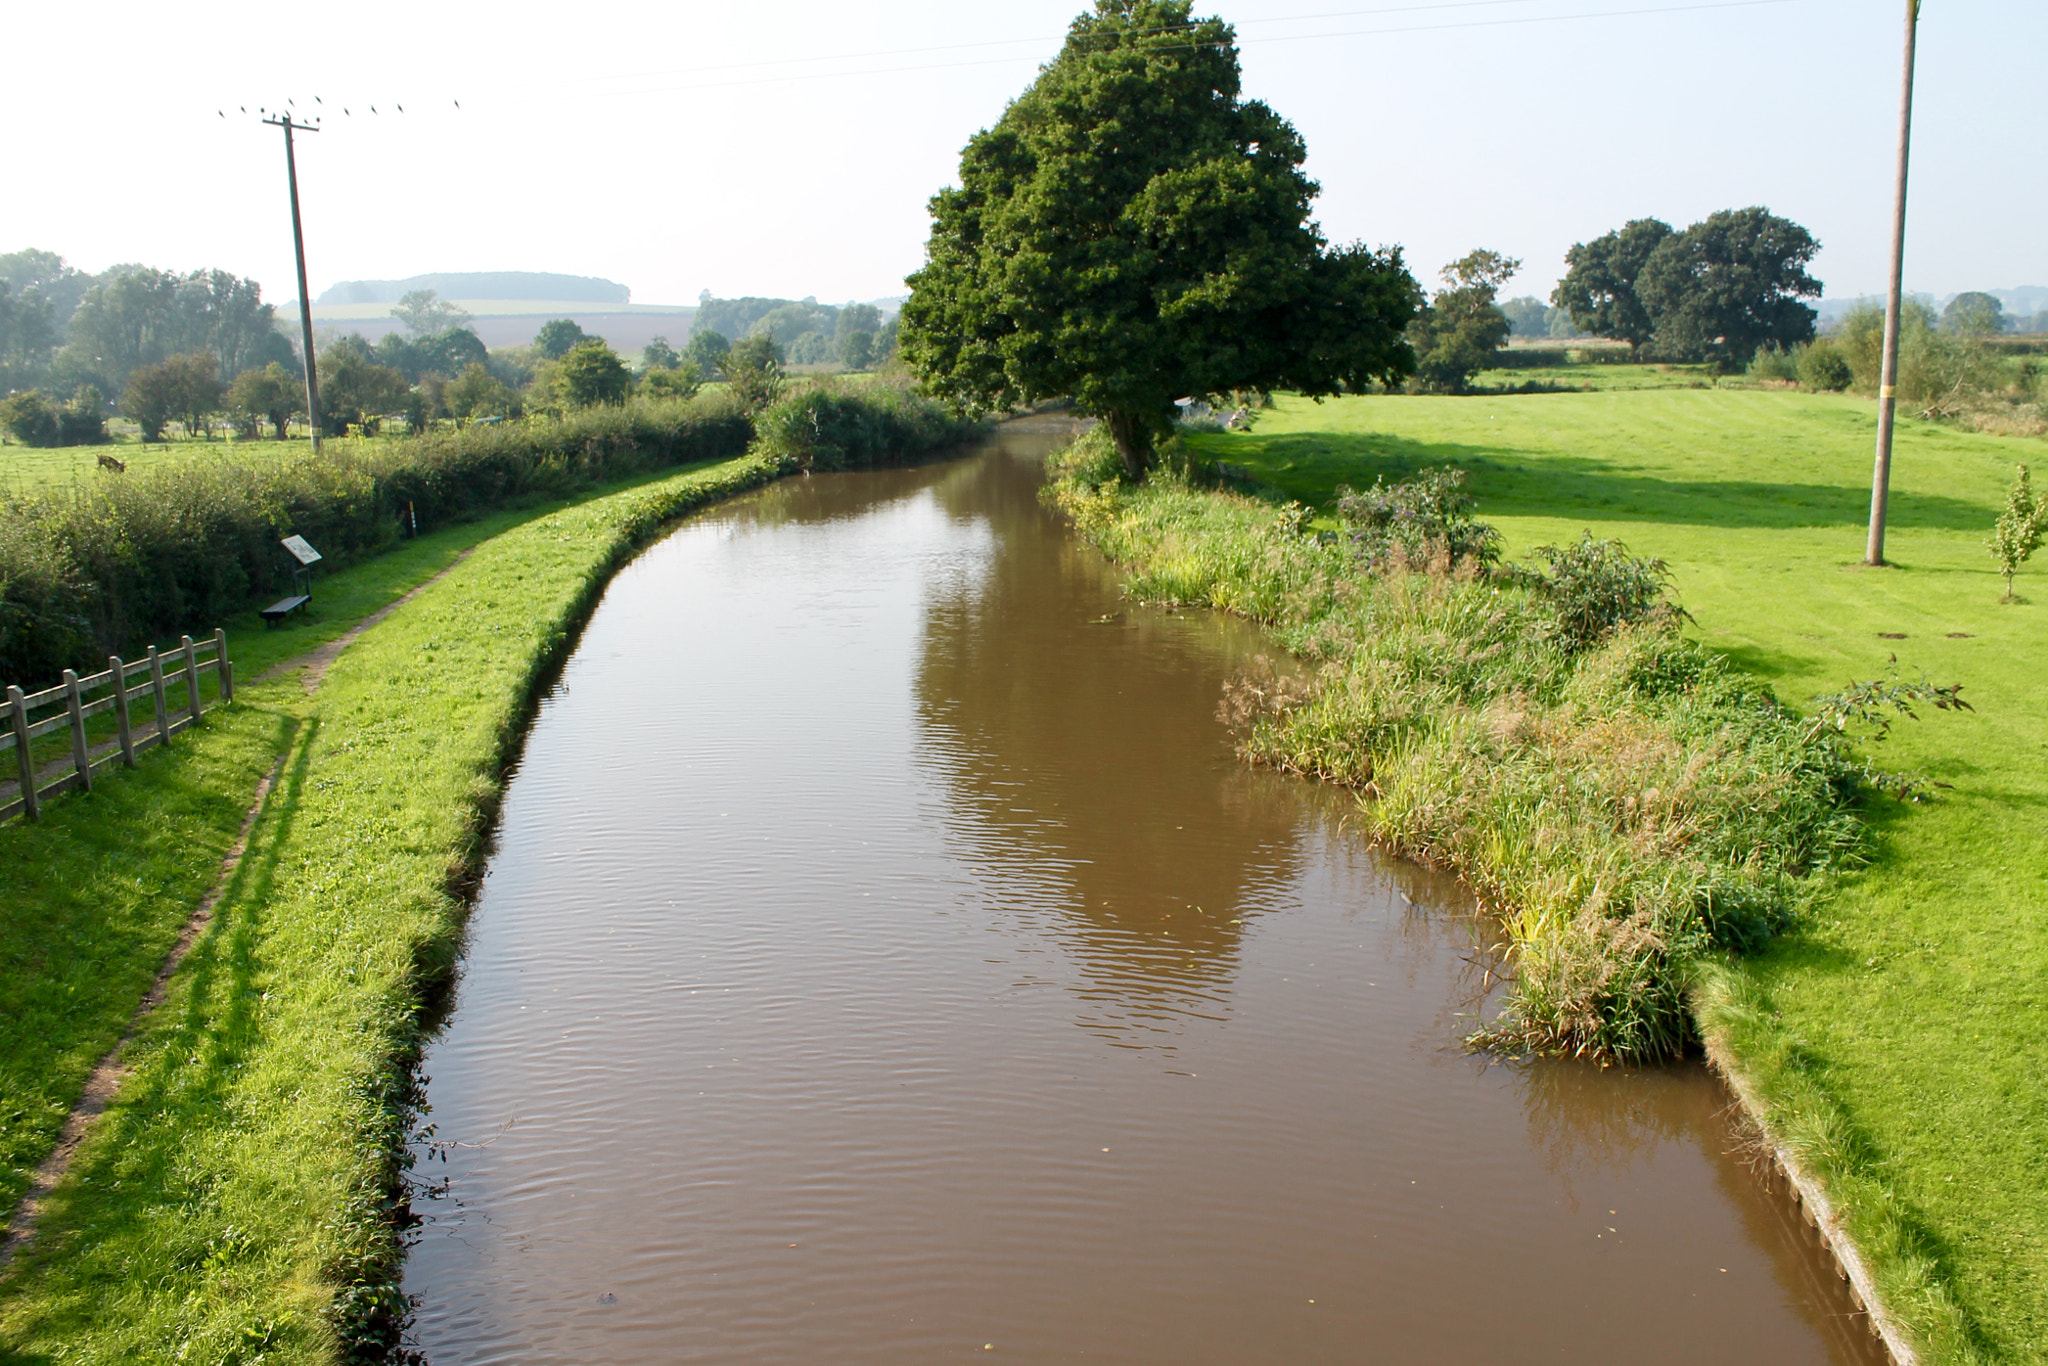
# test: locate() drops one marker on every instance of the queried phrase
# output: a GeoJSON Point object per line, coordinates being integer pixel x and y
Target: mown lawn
{"type": "Point", "coordinates": [1902, 1018]}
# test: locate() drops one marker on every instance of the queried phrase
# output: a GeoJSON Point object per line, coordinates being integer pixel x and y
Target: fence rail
{"type": "Point", "coordinates": [68, 706]}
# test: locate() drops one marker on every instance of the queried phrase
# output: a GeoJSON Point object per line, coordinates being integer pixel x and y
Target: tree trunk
{"type": "Point", "coordinates": [1133, 442]}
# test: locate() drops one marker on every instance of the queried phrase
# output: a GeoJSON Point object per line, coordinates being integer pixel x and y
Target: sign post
{"type": "Point", "coordinates": [306, 556]}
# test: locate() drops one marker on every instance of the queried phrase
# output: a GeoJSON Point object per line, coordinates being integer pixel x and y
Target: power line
{"type": "Point", "coordinates": [799, 76]}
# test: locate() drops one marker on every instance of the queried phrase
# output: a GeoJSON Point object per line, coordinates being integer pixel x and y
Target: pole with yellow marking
{"type": "Point", "coordinates": [1888, 379]}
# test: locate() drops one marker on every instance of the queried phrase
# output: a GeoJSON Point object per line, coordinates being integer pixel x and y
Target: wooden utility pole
{"type": "Point", "coordinates": [291, 171]}
{"type": "Point", "coordinates": [1888, 376]}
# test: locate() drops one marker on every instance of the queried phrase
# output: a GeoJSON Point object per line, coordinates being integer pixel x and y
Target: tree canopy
{"type": "Point", "coordinates": [1974, 314]}
{"type": "Point", "coordinates": [1131, 231]}
{"type": "Point", "coordinates": [1457, 333]}
{"type": "Point", "coordinates": [557, 337]}
{"type": "Point", "coordinates": [422, 311]}
{"type": "Point", "coordinates": [592, 373]}
{"type": "Point", "coordinates": [1729, 284]}
{"type": "Point", "coordinates": [1599, 285]}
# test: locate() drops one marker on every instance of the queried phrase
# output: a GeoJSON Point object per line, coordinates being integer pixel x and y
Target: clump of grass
{"type": "Point", "coordinates": [1622, 797]}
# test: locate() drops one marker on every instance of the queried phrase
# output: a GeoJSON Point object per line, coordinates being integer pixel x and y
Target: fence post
{"type": "Point", "coordinates": [17, 703]}
{"type": "Point", "coordinates": [156, 687]}
{"type": "Point", "coordinates": [191, 677]}
{"type": "Point", "coordinates": [79, 758]}
{"type": "Point", "coordinates": [120, 673]}
{"type": "Point", "coordinates": [225, 670]}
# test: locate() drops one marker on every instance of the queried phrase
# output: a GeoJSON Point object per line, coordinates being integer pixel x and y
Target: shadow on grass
{"type": "Point", "coordinates": [185, 1068]}
{"type": "Point", "coordinates": [1515, 481]}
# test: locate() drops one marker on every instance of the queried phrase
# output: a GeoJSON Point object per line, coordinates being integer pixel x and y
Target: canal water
{"type": "Point", "coordinates": [884, 959]}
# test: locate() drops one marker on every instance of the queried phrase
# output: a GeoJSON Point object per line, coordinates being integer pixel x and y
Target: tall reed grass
{"type": "Point", "coordinates": [1625, 807]}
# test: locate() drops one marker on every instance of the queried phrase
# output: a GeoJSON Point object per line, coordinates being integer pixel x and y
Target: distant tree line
{"type": "Point", "coordinates": [69, 340]}
{"type": "Point", "coordinates": [810, 333]}
{"type": "Point", "coordinates": [1713, 292]}
{"type": "Point", "coordinates": [203, 349]}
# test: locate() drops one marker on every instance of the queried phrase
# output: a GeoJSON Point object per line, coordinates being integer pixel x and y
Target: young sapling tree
{"type": "Point", "coordinates": [2018, 533]}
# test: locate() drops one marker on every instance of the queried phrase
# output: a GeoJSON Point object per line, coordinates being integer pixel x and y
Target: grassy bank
{"type": "Point", "coordinates": [102, 886]}
{"type": "Point", "coordinates": [1892, 1023]}
{"type": "Point", "coordinates": [1622, 797]}
{"type": "Point", "coordinates": [241, 1198]}
{"type": "Point", "coordinates": [235, 1200]}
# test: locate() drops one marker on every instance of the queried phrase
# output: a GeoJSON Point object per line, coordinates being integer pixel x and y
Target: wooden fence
{"type": "Point", "coordinates": [159, 672]}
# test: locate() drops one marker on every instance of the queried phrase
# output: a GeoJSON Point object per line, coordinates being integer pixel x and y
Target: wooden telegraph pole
{"type": "Point", "coordinates": [1888, 378]}
{"type": "Point", "coordinates": [291, 171]}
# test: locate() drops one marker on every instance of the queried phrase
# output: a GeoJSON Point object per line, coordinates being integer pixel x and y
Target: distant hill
{"type": "Point", "coordinates": [2021, 302]}
{"type": "Point", "coordinates": [482, 284]}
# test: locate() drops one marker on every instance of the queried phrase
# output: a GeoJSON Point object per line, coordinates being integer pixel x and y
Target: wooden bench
{"type": "Point", "coordinates": [284, 607]}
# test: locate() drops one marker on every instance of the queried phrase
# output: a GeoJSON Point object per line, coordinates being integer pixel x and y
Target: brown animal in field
{"type": "Point", "coordinates": [107, 462]}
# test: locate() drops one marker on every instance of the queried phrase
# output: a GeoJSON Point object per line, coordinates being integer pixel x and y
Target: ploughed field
{"type": "Point", "coordinates": [885, 957]}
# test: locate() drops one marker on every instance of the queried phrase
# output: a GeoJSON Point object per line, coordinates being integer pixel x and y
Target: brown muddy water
{"type": "Point", "coordinates": [885, 959]}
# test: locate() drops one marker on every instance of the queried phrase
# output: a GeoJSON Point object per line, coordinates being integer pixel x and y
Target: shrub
{"type": "Point", "coordinates": [1594, 588]}
{"type": "Point", "coordinates": [1822, 367]}
{"type": "Point", "coordinates": [592, 373]}
{"type": "Point", "coordinates": [1624, 807]}
{"type": "Point", "coordinates": [830, 427]}
{"type": "Point", "coordinates": [35, 421]}
{"type": "Point", "coordinates": [477, 393]}
{"type": "Point", "coordinates": [679, 381]}
{"type": "Point", "coordinates": [753, 371]}
{"type": "Point", "coordinates": [91, 570]}
{"type": "Point", "coordinates": [1775, 363]}
{"type": "Point", "coordinates": [29, 418]}
{"type": "Point", "coordinates": [1425, 521]}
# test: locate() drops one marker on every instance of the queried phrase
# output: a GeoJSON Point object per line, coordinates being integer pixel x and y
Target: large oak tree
{"type": "Point", "coordinates": [1131, 231]}
{"type": "Point", "coordinates": [1599, 284]}
{"type": "Point", "coordinates": [1729, 284]}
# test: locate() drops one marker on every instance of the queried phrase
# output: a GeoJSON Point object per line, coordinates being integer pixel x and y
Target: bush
{"type": "Point", "coordinates": [93, 570]}
{"type": "Point", "coordinates": [1823, 368]}
{"type": "Point", "coordinates": [679, 381]}
{"type": "Point", "coordinates": [1424, 522]}
{"type": "Point", "coordinates": [29, 418]}
{"type": "Point", "coordinates": [830, 427]}
{"type": "Point", "coordinates": [1774, 363]}
{"type": "Point", "coordinates": [1594, 588]}
{"type": "Point", "coordinates": [1625, 807]}
{"type": "Point", "coordinates": [592, 373]}
{"type": "Point", "coordinates": [35, 421]}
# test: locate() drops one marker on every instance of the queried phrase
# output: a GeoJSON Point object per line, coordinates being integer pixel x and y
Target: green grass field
{"type": "Point", "coordinates": [25, 469]}
{"type": "Point", "coordinates": [1899, 1021]}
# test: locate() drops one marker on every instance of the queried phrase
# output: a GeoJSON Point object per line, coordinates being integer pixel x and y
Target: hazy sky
{"type": "Point", "coordinates": [789, 148]}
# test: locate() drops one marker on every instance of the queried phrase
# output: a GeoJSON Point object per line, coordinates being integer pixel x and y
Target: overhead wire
{"type": "Point", "coordinates": [799, 76]}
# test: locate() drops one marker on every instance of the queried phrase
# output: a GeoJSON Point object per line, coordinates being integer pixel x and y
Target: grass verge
{"type": "Point", "coordinates": [1623, 798]}
{"type": "Point", "coordinates": [1892, 1027]}
{"type": "Point", "coordinates": [236, 1202]}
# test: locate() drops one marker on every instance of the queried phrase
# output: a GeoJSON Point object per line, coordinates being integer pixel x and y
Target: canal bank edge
{"type": "Point", "coordinates": [1804, 1139]}
{"type": "Point", "coordinates": [277, 1223]}
{"type": "Point", "coordinates": [1795, 1140]}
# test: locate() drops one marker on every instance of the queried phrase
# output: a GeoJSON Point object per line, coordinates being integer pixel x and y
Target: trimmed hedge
{"type": "Point", "coordinates": [124, 561]}
{"type": "Point", "coordinates": [121, 562]}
